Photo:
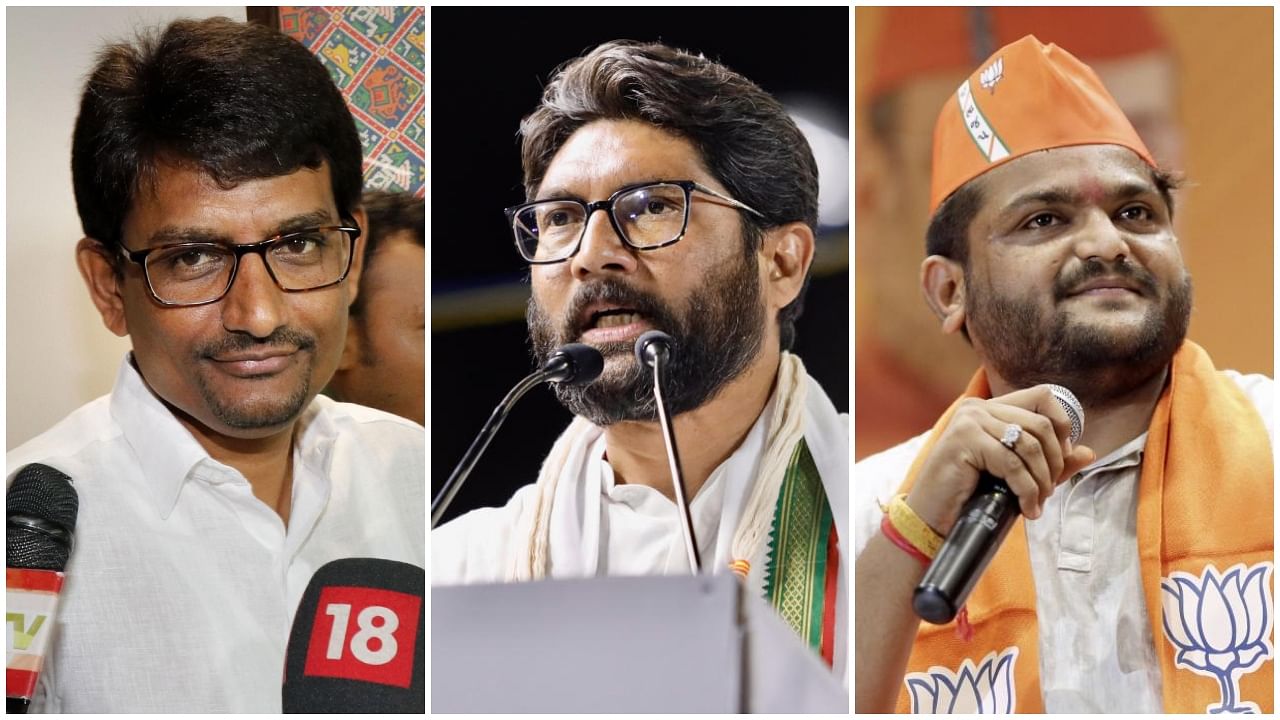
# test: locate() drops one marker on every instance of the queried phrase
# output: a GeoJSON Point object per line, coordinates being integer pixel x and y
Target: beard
{"type": "Point", "coordinates": [258, 413]}
{"type": "Point", "coordinates": [717, 335]}
{"type": "Point", "coordinates": [1097, 363]}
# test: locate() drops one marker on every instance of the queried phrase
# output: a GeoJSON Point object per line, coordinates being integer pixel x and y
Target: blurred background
{"type": "Point", "coordinates": [1197, 85]}
{"type": "Point", "coordinates": [479, 285]}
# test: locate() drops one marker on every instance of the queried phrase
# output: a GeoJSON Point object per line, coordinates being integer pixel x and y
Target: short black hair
{"type": "Point", "coordinates": [745, 137]}
{"type": "Point", "coordinates": [238, 101]}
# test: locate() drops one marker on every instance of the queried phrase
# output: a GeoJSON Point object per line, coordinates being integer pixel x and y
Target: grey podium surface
{"type": "Point", "coordinates": [633, 644]}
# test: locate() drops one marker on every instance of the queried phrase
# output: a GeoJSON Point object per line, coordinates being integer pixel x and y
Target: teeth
{"type": "Point", "coordinates": [616, 320]}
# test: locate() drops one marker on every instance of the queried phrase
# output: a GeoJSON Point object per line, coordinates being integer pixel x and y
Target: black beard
{"type": "Point", "coordinates": [716, 337]}
{"type": "Point", "coordinates": [1026, 349]}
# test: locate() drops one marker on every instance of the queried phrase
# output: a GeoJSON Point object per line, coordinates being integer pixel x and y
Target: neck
{"type": "Point", "coordinates": [1112, 421]}
{"type": "Point", "coordinates": [266, 462]}
{"type": "Point", "coordinates": [706, 436]}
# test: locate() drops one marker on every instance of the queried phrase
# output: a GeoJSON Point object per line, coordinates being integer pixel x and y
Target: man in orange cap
{"type": "Point", "coordinates": [1144, 586]}
{"type": "Point", "coordinates": [906, 372]}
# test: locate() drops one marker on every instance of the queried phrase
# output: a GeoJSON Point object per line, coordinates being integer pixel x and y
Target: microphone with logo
{"type": "Point", "coordinates": [41, 508]}
{"type": "Point", "coordinates": [654, 350]}
{"type": "Point", "coordinates": [984, 522]}
{"type": "Point", "coordinates": [357, 643]}
{"type": "Point", "coordinates": [572, 364]}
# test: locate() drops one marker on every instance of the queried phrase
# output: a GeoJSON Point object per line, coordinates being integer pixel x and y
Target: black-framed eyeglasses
{"type": "Point", "coordinates": [199, 273]}
{"type": "Point", "coordinates": [646, 216]}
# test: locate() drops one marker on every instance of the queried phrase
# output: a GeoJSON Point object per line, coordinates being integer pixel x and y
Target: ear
{"type": "Point", "coordinates": [357, 255]}
{"type": "Point", "coordinates": [943, 282]}
{"type": "Point", "coordinates": [100, 276]}
{"type": "Point", "coordinates": [788, 253]}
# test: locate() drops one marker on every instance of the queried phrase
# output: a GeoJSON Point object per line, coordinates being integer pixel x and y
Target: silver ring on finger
{"type": "Point", "coordinates": [1012, 432]}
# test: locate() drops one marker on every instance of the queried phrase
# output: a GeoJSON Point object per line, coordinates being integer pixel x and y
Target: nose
{"type": "Point", "coordinates": [254, 304]}
{"type": "Point", "coordinates": [602, 250]}
{"type": "Point", "coordinates": [1099, 237]}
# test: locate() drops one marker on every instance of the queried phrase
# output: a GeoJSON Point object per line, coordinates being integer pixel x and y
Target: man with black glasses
{"type": "Point", "coordinates": [217, 175]}
{"type": "Point", "coordinates": [667, 192]}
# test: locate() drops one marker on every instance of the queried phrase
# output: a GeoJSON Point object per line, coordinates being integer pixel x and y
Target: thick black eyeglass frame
{"type": "Point", "coordinates": [238, 252]}
{"type": "Point", "coordinates": [607, 204]}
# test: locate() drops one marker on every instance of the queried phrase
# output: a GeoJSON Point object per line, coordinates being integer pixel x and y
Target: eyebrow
{"type": "Point", "coordinates": [1067, 195]}
{"type": "Point", "coordinates": [171, 235]}
{"type": "Point", "coordinates": [557, 193]}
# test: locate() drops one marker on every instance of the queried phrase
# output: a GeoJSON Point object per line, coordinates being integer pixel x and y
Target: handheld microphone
{"type": "Point", "coordinates": [357, 643]}
{"type": "Point", "coordinates": [41, 508]}
{"type": "Point", "coordinates": [572, 364]}
{"type": "Point", "coordinates": [984, 522]}
{"type": "Point", "coordinates": [653, 350]}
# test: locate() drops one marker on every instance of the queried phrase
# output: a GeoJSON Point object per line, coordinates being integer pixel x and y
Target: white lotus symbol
{"type": "Point", "coordinates": [1221, 625]}
{"type": "Point", "coordinates": [983, 688]}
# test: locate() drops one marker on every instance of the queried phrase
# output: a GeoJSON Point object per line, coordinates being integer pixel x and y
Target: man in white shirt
{"type": "Point", "coordinates": [1140, 579]}
{"type": "Point", "coordinates": [217, 174]}
{"type": "Point", "coordinates": [709, 199]}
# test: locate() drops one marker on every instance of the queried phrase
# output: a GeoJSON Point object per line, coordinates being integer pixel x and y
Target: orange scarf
{"type": "Point", "coordinates": [1205, 549]}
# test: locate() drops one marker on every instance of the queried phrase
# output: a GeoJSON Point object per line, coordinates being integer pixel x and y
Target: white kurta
{"type": "Point", "coordinates": [600, 528]}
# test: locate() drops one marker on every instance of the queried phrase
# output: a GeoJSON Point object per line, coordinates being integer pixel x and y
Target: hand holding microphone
{"type": "Point", "coordinates": [994, 458]}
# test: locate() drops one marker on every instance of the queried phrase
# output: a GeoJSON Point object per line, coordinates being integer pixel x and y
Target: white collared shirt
{"type": "Point", "coordinates": [182, 585]}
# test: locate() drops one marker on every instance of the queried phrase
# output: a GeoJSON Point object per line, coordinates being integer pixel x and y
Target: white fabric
{"type": "Point", "coordinates": [601, 528]}
{"type": "Point", "coordinates": [182, 586]}
{"type": "Point", "coordinates": [1097, 647]}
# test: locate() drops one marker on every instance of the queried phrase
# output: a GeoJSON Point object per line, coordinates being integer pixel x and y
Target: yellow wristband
{"type": "Point", "coordinates": [912, 528]}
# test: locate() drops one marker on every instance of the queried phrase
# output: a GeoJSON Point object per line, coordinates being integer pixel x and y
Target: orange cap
{"type": "Point", "coordinates": [1028, 96]}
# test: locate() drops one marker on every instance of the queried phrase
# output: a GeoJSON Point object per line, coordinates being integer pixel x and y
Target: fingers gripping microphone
{"type": "Point", "coordinates": [984, 522]}
{"type": "Point", "coordinates": [653, 350]}
{"type": "Point", "coordinates": [357, 643]}
{"type": "Point", "coordinates": [41, 508]}
{"type": "Point", "coordinates": [572, 364]}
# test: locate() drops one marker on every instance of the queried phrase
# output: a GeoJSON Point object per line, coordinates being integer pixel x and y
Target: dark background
{"type": "Point", "coordinates": [489, 67]}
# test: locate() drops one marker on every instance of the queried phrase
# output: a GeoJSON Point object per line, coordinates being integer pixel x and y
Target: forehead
{"type": "Point", "coordinates": [183, 197]}
{"type": "Point", "coordinates": [1089, 173]}
{"type": "Point", "coordinates": [604, 155]}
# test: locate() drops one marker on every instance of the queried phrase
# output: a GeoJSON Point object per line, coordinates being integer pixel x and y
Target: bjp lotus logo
{"type": "Point", "coordinates": [983, 688]}
{"type": "Point", "coordinates": [1221, 625]}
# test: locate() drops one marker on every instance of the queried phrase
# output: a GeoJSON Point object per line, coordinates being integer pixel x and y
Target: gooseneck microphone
{"type": "Point", "coordinates": [984, 522]}
{"type": "Point", "coordinates": [41, 508]}
{"type": "Point", "coordinates": [572, 364]}
{"type": "Point", "coordinates": [357, 643]}
{"type": "Point", "coordinates": [653, 350]}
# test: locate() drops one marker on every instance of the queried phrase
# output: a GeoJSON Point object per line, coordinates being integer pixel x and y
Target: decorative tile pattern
{"type": "Point", "coordinates": [376, 57]}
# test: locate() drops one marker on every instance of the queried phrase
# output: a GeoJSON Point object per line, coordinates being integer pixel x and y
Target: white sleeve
{"type": "Point", "coordinates": [875, 481]}
{"type": "Point", "coordinates": [477, 547]}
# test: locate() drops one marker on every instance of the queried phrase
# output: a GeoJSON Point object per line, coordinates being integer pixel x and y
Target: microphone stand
{"type": "Point", "coordinates": [654, 351]}
{"type": "Point", "coordinates": [572, 363]}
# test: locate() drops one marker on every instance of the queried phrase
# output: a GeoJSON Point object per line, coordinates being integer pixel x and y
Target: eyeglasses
{"type": "Point", "coordinates": [646, 216]}
{"type": "Point", "coordinates": [200, 273]}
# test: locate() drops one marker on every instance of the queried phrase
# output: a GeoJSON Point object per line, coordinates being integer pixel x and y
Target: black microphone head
{"type": "Point", "coordinates": [41, 508]}
{"type": "Point", "coordinates": [651, 344]}
{"type": "Point", "coordinates": [1071, 405]}
{"type": "Point", "coordinates": [574, 364]}
{"type": "Point", "coordinates": [358, 640]}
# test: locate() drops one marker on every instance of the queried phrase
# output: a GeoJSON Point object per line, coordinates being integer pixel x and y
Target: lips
{"type": "Point", "coordinates": [1107, 286]}
{"type": "Point", "coordinates": [258, 363]}
{"type": "Point", "coordinates": [603, 323]}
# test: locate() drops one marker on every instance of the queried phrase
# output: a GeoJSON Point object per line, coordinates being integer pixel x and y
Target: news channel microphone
{"type": "Point", "coordinates": [572, 364]}
{"type": "Point", "coordinates": [41, 508]}
{"type": "Point", "coordinates": [357, 643]}
{"type": "Point", "coordinates": [984, 522]}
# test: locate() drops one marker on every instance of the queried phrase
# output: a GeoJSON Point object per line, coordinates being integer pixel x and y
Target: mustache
{"type": "Point", "coordinates": [238, 342]}
{"type": "Point", "coordinates": [1095, 268]}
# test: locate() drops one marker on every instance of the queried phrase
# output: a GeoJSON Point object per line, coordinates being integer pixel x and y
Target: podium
{"type": "Point", "coordinates": [621, 644]}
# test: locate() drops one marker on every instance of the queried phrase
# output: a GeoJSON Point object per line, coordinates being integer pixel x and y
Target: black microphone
{"type": "Point", "coordinates": [984, 522]}
{"type": "Point", "coordinates": [357, 643]}
{"type": "Point", "coordinates": [41, 508]}
{"type": "Point", "coordinates": [572, 364]}
{"type": "Point", "coordinates": [653, 350]}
